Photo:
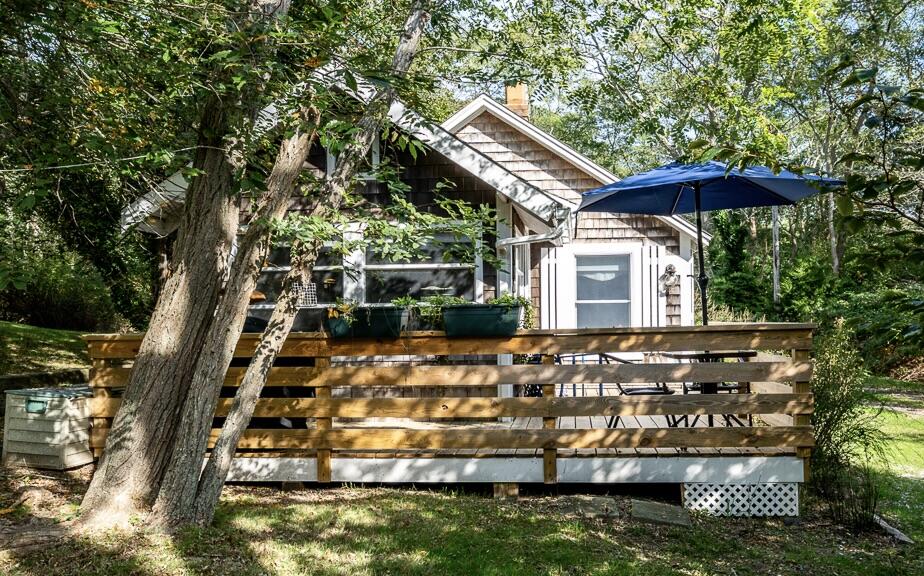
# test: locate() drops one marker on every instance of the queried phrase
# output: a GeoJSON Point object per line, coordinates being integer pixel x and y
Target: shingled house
{"type": "Point", "coordinates": [584, 270]}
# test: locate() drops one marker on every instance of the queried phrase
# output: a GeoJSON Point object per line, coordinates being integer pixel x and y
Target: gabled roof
{"type": "Point", "coordinates": [541, 211]}
{"type": "Point", "coordinates": [485, 103]}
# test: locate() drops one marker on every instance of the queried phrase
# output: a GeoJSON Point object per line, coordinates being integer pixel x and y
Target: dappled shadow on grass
{"type": "Point", "coordinates": [259, 530]}
{"type": "Point", "coordinates": [902, 503]}
{"type": "Point", "coordinates": [26, 348]}
{"type": "Point", "coordinates": [441, 533]}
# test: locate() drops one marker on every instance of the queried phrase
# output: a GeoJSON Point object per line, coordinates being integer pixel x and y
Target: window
{"type": "Point", "coordinates": [327, 276]}
{"type": "Point", "coordinates": [603, 291]}
{"type": "Point", "coordinates": [374, 280]}
{"type": "Point", "coordinates": [439, 271]}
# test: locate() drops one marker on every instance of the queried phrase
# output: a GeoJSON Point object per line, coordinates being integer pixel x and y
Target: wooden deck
{"type": "Point", "coordinates": [415, 409]}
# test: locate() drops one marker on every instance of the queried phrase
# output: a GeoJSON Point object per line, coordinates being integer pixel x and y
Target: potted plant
{"type": "Point", "coordinates": [427, 314]}
{"type": "Point", "coordinates": [499, 317]}
{"type": "Point", "coordinates": [346, 319]}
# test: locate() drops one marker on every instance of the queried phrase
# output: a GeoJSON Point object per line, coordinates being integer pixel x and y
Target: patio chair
{"type": "Point", "coordinates": [728, 388]}
{"type": "Point", "coordinates": [659, 389]}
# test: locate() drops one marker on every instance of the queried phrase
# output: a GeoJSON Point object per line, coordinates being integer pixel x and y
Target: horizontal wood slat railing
{"type": "Point", "coordinates": [389, 438]}
{"type": "Point", "coordinates": [500, 407]}
{"type": "Point", "coordinates": [779, 392]}
{"type": "Point", "coordinates": [778, 336]}
{"type": "Point", "coordinates": [517, 374]}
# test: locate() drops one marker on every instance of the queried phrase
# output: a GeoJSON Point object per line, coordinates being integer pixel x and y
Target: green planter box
{"type": "Point", "coordinates": [371, 322]}
{"type": "Point", "coordinates": [481, 320]}
{"type": "Point", "coordinates": [418, 322]}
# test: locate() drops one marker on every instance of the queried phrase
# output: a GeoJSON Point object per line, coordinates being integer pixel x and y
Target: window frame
{"type": "Point", "coordinates": [566, 283]}
{"type": "Point", "coordinates": [477, 267]}
{"type": "Point", "coordinates": [578, 302]}
{"type": "Point", "coordinates": [271, 305]}
{"type": "Point", "coordinates": [354, 285]}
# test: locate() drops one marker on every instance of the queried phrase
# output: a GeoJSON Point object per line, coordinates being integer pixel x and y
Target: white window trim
{"type": "Point", "coordinates": [477, 267]}
{"type": "Point", "coordinates": [354, 285]}
{"type": "Point", "coordinates": [566, 278]}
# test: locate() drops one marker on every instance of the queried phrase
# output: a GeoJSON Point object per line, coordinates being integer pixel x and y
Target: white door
{"type": "Point", "coordinates": [599, 285]}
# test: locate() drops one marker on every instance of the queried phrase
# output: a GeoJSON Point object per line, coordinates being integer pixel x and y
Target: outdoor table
{"type": "Point", "coordinates": [711, 387]}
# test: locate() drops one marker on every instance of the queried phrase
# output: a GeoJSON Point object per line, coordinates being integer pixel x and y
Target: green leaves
{"type": "Point", "coordinates": [844, 204]}
{"type": "Point", "coordinates": [860, 75]}
{"type": "Point", "coordinates": [914, 98]}
{"type": "Point", "coordinates": [855, 157]}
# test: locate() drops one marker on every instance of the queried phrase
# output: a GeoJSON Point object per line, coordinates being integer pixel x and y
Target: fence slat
{"type": "Point", "coordinates": [396, 438]}
{"type": "Point", "coordinates": [474, 375]}
{"type": "Point", "coordinates": [693, 404]}
{"type": "Point", "coordinates": [675, 338]}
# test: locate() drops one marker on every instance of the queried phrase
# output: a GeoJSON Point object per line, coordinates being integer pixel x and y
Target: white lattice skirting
{"type": "Point", "coordinates": [771, 499]}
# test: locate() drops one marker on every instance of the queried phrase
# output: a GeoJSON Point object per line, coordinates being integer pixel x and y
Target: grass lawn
{"type": "Point", "coordinates": [370, 531]}
{"type": "Point", "coordinates": [25, 348]}
{"type": "Point", "coordinates": [902, 476]}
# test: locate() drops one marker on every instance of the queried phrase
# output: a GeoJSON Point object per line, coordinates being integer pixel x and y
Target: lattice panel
{"type": "Point", "coordinates": [776, 499]}
{"type": "Point", "coordinates": [306, 294]}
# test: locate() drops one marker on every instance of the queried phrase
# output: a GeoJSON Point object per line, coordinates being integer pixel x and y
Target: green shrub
{"type": "Point", "coordinates": [740, 280]}
{"type": "Point", "coordinates": [49, 285]}
{"type": "Point", "coordinates": [888, 323]}
{"type": "Point", "coordinates": [846, 435]}
{"type": "Point", "coordinates": [853, 498]}
{"type": "Point", "coordinates": [724, 313]}
{"type": "Point", "coordinates": [64, 292]}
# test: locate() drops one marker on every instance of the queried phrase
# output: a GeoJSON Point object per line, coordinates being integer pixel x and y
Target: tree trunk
{"type": "Point", "coordinates": [141, 440]}
{"type": "Point", "coordinates": [174, 504]}
{"type": "Point", "coordinates": [280, 324]}
{"type": "Point", "coordinates": [832, 235]}
{"type": "Point", "coordinates": [775, 211]}
{"type": "Point", "coordinates": [245, 399]}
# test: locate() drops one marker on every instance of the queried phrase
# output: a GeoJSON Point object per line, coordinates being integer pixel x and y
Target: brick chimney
{"type": "Point", "coordinates": [517, 99]}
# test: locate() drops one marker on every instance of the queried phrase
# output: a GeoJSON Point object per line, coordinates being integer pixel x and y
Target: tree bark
{"type": "Point", "coordinates": [245, 399]}
{"type": "Point", "coordinates": [174, 504]}
{"type": "Point", "coordinates": [304, 256]}
{"type": "Point", "coordinates": [775, 211]}
{"type": "Point", "coordinates": [832, 235]}
{"type": "Point", "coordinates": [141, 438]}
{"type": "Point", "coordinates": [139, 445]}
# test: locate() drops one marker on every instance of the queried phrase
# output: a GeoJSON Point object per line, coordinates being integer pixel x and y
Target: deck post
{"type": "Point", "coordinates": [324, 454]}
{"type": "Point", "coordinates": [506, 490]}
{"type": "Point", "coordinates": [549, 455]}
{"type": "Point", "coordinates": [100, 393]}
{"type": "Point", "coordinates": [802, 386]}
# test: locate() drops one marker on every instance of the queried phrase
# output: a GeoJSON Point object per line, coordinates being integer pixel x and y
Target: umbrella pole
{"type": "Point", "coordinates": [702, 279]}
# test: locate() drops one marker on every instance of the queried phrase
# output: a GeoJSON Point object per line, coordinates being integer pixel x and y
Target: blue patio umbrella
{"type": "Point", "coordinates": [684, 188]}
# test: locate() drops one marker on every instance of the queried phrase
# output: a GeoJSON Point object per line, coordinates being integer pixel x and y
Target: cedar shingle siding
{"type": "Point", "coordinates": [544, 169]}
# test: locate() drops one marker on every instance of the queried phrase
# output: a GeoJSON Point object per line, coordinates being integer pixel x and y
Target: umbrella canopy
{"type": "Point", "coordinates": [684, 188]}
{"type": "Point", "coordinates": [670, 189]}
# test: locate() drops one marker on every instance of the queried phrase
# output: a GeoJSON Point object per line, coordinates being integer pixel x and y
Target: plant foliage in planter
{"type": "Point", "coordinates": [346, 319]}
{"type": "Point", "coordinates": [427, 314]}
{"type": "Point", "coordinates": [499, 317]}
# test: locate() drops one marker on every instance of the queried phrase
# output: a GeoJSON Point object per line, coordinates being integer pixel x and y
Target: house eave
{"type": "Point", "coordinates": [484, 103]}
{"type": "Point", "coordinates": [543, 212]}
